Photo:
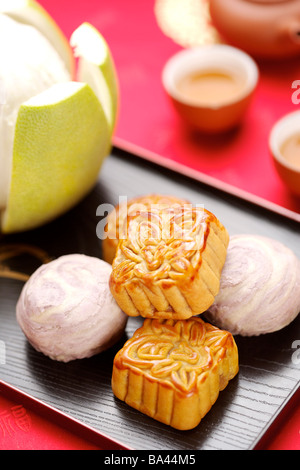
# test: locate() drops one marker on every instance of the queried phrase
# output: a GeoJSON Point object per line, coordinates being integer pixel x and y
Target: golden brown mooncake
{"type": "Point", "coordinates": [116, 218]}
{"type": "Point", "coordinates": [173, 370]}
{"type": "Point", "coordinates": [169, 265]}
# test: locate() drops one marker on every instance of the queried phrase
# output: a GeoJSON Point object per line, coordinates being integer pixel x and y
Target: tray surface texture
{"type": "Point", "coordinates": [244, 411]}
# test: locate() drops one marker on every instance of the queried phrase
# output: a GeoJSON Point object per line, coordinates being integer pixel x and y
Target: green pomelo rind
{"type": "Point", "coordinates": [94, 71]}
{"type": "Point", "coordinates": [58, 151]}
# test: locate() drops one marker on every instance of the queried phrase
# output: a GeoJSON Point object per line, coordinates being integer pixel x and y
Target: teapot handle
{"type": "Point", "coordinates": [293, 31]}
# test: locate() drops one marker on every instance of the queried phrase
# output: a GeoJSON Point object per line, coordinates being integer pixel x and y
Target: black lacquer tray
{"type": "Point", "coordinates": [244, 412]}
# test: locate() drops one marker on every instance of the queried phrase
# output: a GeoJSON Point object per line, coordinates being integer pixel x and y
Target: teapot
{"type": "Point", "coordinates": [263, 28]}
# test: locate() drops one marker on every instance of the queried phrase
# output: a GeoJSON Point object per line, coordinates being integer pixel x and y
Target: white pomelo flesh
{"type": "Point", "coordinates": [96, 67]}
{"type": "Point", "coordinates": [22, 75]}
{"type": "Point", "coordinates": [51, 154]}
{"type": "Point", "coordinates": [31, 13]}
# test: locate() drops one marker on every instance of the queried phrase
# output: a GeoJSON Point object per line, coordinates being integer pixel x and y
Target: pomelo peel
{"type": "Point", "coordinates": [63, 133]}
{"type": "Point", "coordinates": [96, 67]}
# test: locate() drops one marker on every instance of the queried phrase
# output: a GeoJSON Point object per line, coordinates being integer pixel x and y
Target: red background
{"type": "Point", "coordinates": [148, 122]}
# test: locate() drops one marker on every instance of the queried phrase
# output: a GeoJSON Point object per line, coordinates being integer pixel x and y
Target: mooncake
{"type": "Point", "coordinates": [66, 310]}
{"type": "Point", "coordinates": [170, 262]}
{"type": "Point", "coordinates": [117, 218]}
{"type": "Point", "coordinates": [173, 370]}
{"type": "Point", "coordinates": [259, 289]}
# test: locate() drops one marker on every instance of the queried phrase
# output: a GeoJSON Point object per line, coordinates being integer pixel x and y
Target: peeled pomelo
{"type": "Point", "coordinates": [55, 132]}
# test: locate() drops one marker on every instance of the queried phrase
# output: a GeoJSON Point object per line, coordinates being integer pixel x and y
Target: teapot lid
{"type": "Point", "coordinates": [267, 1]}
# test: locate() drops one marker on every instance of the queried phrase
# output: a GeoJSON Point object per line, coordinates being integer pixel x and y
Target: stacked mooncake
{"type": "Point", "coordinates": [167, 268]}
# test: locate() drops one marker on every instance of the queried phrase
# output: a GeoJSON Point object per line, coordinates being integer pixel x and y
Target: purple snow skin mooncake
{"type": "Point", "coordinates": [259, 287]}
{"type": "Point", "coordinates": [66, 310]}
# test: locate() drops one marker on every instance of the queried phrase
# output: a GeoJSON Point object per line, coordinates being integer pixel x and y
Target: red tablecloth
{"type": "Point", "coordinates": [24, 429]}
{"type": "Point", "coordinates": [26, 426]}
